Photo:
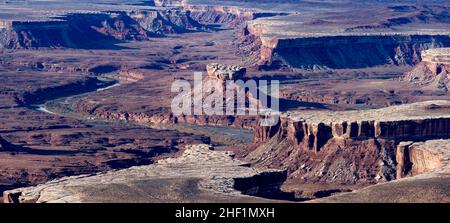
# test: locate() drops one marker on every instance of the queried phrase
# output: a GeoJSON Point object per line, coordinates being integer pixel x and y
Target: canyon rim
{"type": "Point", "coordinates": [207, 101]}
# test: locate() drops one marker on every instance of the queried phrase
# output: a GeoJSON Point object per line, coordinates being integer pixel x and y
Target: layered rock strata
{"type": "Point", "coordinates": [424, 168]}
{"type": "Point", "coordinates": [422, 157]}
{"type": "Point", "coordinates": [209, 175]}
{"type": "Point", "coordinates": [417, 121]}
{"type": "Point", "coordinates": [104, 29]}
{"type": "Point", "coordinates": [333, 41]}
{"type": "Point", "coordinates": [315, 146]}
{"type": "Point", "coordinates": [433, 73]}
{"type": "Point", "coordinates": [344, 52]}
{"type": "Point", "coordinates": [213, 97]}
{"type": "Point", "coordinates": [229, 15]}
{"type": "Point", "coordinates": [96, 30]}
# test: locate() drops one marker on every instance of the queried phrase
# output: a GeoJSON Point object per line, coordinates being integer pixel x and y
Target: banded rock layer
{"type": "Point", "coordinates": [347, 40]}
{"type": "Point", "coordinates": [433, 73]}
{"type": "Point", "coordinates": [408, 122]}
{"type": "Point", "coordinates": [96, 30]}
{"type": "Point", "coordinates": [346, 52]}
{"type": "Point", "coordinates": [350, 147]}
{"type": "Point", "coordinates": [424, 169]}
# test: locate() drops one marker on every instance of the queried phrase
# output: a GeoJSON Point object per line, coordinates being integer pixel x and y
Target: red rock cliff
{"type": "Point", "coordinates": [313, 135]}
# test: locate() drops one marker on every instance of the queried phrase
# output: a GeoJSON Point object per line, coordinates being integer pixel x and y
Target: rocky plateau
{"type": "Point", "coordinates": [316, 146]}
{"type": "Point", "coordinates": [85, 101]}
{"type": "Point", "coordinates": [200, 174]}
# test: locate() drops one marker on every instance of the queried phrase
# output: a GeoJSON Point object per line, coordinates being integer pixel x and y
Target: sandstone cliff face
{"type": "Point", "coordinates": [228, 15]}
{"type": "Point", "coordinates": [307, 142]}
{"type": "Point", "coordinates": [99, 30]}
{"type": "Point", "coordinates": [422, 157]}
{"type": "Point", "coordinates": [433, 73]}
{"type": "Point", "coordinates": [163, 117]}
{"type": "Point", "coordinates": [73, 31]}
{"type": "Point", "coordinates": [341, 52]}
{"type": "Point", "coordinates": [313, 131]}
{"type": "Point", "coordinates": [220, 14]}
{"type": "Point", "coordinates": [170, 21]}
{"type": "Point", "coordinates": [349, 39]}
{"type": "Point", "coordinates": [361, 162]}
{"type": "Point", "coordinates": [104, 29]}
{"type": "Point", "coordinates": [424, 171]}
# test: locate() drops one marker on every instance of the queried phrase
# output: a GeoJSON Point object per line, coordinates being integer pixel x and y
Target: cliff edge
{"type": "Point", "coordinates": [349, 148]}
{"type": "Point", "coordinates": [200, 174]}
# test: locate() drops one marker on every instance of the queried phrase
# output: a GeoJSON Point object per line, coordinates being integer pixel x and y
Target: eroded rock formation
{"type": "Point", "coordinates": [229, 15]}
{"type": "Point", "coordinates": [421, 157]}
{"type": "Point", "coordinates": [209, 174]}
{"type": "Point", "coordinates": [433, 73]}
{"type": "Point", "coordinates": [104, 29]}
{"type": "Point", "coordinates": [96, 30]}
{"type": "Point", "coordinates": [426, 167]}
{"type": "Point", "coordinates": [333, 42]}
{"type": "Point", "coordinates": [347, 51]}
{"type": "Point", "coordinates": [225, 72]}
{"type": "Point", "coordinates": [170, 21]}
{"type": "Point", "coordinates": [315, 145]}
{"type": "Point", "coordinates": [409, 122]}
{"type": "Point", "coordinates": [131, 75]}
{"type": "Point", "coordinates": [214, 98]}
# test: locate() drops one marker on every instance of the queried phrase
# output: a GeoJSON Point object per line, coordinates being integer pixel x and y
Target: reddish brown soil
{"type": "Point", "coordinates": [359, 93]}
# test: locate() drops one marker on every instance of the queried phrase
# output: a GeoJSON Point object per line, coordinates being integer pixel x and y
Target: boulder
{"type": "Point", "coordinates": [225, 72]}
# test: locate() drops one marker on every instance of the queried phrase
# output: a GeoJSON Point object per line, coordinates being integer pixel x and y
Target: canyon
{"type": "Point", "coordinates": [387, 36]}
{"type": "Point", "coordinates": [200, 173]}
{"type": "Point", "coordinates": [86, 97]}
{"type": "Point", "coordinates": [314, 146]}
{"type": "Point", "coordinates": [96, 30]}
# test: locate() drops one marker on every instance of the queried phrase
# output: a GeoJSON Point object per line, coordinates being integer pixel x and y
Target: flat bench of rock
{"type": "Point", "coordinates": [412, 122]}
{"type": "Point", "coordinates": [200, 174]}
